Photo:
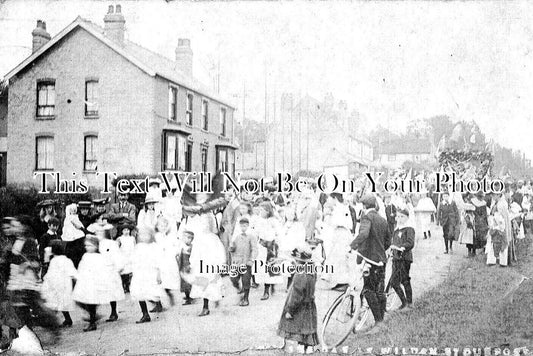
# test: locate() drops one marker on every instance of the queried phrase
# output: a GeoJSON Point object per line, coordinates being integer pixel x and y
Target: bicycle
{"type": "Point", "coordinates": [350, 312]}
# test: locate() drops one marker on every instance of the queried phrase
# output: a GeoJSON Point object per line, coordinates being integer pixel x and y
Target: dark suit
{"type": "Point", "coordinates": [390, 212]}
{"type": "Point", "coordinates": [119, 209]}
{"type": "Point", "coordinates": [401, 263]}
{"type": "Point", "coordinates": [353, 214]}
{"type": "Point", "coordinates": [373, 239]}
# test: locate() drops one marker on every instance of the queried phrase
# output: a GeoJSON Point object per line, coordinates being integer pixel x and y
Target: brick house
{"type": "Point", "coordinates": [393, 154]}
{"type": "Point", "coordinates": [88, 100]}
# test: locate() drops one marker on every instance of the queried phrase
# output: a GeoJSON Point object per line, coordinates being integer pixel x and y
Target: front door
{"type": "Point", "coordinates": [3, 168]}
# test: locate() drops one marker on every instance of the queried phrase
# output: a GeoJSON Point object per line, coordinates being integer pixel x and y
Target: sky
{"type": "Point", "coordinates": [391, 61]}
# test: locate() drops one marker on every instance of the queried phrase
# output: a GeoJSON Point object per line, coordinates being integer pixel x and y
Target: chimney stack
{"type": "Point", "coordinates": [114, 24]}
{"type": "Point", "coordinates": [40, 36]}
{"type": "Point", "coordinates": [184, 56]}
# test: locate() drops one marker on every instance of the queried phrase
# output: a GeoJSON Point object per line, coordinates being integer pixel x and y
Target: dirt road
{"type": "Point", "coordinates": [229, 327]}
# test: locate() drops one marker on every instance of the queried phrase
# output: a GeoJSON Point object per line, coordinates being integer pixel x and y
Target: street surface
{"type": "Point", "coordinates": [228, 328]}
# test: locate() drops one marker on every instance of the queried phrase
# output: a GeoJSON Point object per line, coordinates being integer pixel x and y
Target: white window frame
{"type": "Point", "coordinates": [45, 159]}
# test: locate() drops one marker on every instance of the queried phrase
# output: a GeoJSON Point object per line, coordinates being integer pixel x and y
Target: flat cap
{"type": "Point", "coordinates": [369, 201]}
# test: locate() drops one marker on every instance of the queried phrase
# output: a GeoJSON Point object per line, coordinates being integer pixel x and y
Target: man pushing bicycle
{"type": "Point", "coordinates": [372, 241]}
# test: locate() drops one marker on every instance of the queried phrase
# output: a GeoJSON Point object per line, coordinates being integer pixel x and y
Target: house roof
{"type": "Point", "coordinates": [149, 62]}
{"type": "Point", "coordinates": [404, 146]}
{"type": "Point", "coordinates": [338, 157]}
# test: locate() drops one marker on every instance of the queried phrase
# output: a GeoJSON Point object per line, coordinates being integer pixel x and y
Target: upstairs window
{"type": "Point", "coordinates": [44, 158]}
{"type": "Point", "coordinates": [91, 97]}
{"type": "Point", "coordinates": [223, 121]}
{"type": "Point", "coordinates": [172, 100]}
{"type": "Point", "coordinates": [188, 114]}
{"type": "Point", "coordinates": [205, 119]}
{"type": "Point", "coordinates": [90, 161]}
{"type": "Point", "coordinates": [46, 98]}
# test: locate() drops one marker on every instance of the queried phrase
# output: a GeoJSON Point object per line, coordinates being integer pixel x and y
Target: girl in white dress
{"type": "Point", "coordinates": [91, 288]}
{"type": "Point", "coordinates": [126, 243]}
{"type": "Point", "coordinates": [146, 276]}
{"type": "Point", "coordinates": [57, 283]}
{"type": "Point", "coordinates": [149, 214]}
{"type": "Point", "coordinates": [109, 249]}
{"type": "Point", "coordinates": [337, 238]}
{"type": "Point", "coordinates": [423, 211]}
{"type": "Point", "coordinates": [207, 250]}
{"type": "Point", "coordinates": [167, 239]}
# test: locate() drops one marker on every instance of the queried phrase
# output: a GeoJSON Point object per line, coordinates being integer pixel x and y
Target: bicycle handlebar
{"type": "Point", "coordinates": [380, 264]}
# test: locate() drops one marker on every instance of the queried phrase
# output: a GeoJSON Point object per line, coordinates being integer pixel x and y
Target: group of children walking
{"type": "Point", "coordinates": [144, 266]}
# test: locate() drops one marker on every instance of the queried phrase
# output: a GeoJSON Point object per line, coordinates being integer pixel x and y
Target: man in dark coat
{"type": "Point", "coordinates": [373, 239]}
{"type": "Point", "coordinates": [123, 212]}
{"type": "Point", "coordinates": [448, 219]}
{"type": "Point", "coordinates": [390, 212]}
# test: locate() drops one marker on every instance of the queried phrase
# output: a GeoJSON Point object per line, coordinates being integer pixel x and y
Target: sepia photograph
{"type": "Point", "coordinates": [190, 177]}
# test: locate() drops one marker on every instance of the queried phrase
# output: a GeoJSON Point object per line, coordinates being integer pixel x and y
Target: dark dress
{"type": "Point", "coordinates": [301, 305]}
{"type": "Point", "coordinates": [481, 225]}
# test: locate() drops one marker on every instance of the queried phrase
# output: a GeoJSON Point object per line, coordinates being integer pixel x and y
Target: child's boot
{"type": "Point", "coordinates": [146, 317]}
{"type": "Point", "coordinates": [244, 301]}
{"type": "Point", "coordinates": [158, 308]}
{"type": "Point", "coordinates": [68, 321]}
{"type": "Point", "coordinates": [265, 294]}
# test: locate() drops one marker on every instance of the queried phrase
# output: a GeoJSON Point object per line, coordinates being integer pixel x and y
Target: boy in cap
{"type": "Point", "coordinates": [243, 252]}
{"type": "Point", "coordinates": [403, 241]}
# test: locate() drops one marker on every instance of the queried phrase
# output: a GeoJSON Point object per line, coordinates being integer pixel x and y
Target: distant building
{"type": "Point", "coordinates": [3, 135]}
{"type": "Point", "coordinates": [302, 136]}
{"type": "Point", "coordinates": [88, 100]}
{"type": "Point", "coordinates": [393, 154]}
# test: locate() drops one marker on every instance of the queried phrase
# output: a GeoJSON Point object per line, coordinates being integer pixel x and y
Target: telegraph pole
{"type": "Point", "coordinates": [299, 133]}
{"type": "Point", "coordinates": [307, 133]}
{"type": "Point", "coordinates": [283, 113]}
{"type": "Point", "coordinates": [292, 108]}
{"type": "Point", "coordinates": [275, 134]}
{"type": "Point", "coordinates": [266, 127]}
{"type": "Point", "coordinates": [243, 118]}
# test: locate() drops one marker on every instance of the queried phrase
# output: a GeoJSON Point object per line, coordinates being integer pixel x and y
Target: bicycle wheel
{"type": "Point", "coordinates": [340, 320]}
{"type": "Point", "coordinates": [392, 300]}
{"type": "Point", "coordinates": [365, 320]}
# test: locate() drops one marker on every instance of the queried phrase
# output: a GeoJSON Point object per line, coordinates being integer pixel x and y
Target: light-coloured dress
{"type": "Point", "coordinates": [170, 249]}
{"type": "Point", "coordinates": [127, 246]}
{"type": "Point", "coordinates": [502, 208]}
{"type": "Point", "coordinates": [209, 250]}
{"type": "Point", "coordinates": [57, 284]}
{"type": "Point", "coordinates": [423, 211]}
{"type": "Point", "coordinates": [114, 262]}
{"type": "Point", "coordinates": [337, 238]}
{"type": "Point", "coordinates": [147, 218]}
{"type": "Point", "coordinates": [146, 261]}
{"type": "Point", "coordinates": [92, 286]}
{"type": "Point", "coordinates": [70, 231]}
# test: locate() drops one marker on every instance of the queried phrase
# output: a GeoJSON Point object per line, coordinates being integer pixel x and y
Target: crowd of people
{"type": "Point", "coordinates": [93, 253]}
